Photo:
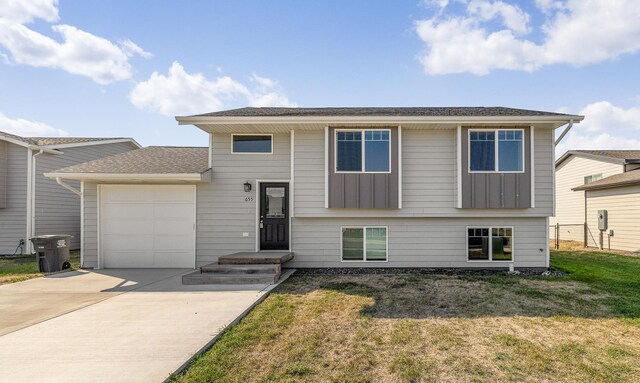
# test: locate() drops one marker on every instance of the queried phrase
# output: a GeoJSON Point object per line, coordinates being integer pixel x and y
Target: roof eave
{"type": "Point", "coordinates": [597, 157]}
{"type": "Point", "coordinates": [606, 186]}
{"type": "Point", "coordinates": [92, 143]}
{"type": "Point", "coordinates": [132, 177]}
{"type": "Point", "coordinates": [196, 120]}
{"type": "Point", "coordinates": [30, 146]}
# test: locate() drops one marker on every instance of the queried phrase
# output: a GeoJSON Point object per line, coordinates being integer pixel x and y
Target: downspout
{"type": "Point", "coordinates": [34, 168]}
{"type": "Point", "coordinates": [68, 187]}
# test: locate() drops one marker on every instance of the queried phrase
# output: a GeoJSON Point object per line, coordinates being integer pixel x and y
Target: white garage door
{"type": "Point", "coordinates": [147, 226]}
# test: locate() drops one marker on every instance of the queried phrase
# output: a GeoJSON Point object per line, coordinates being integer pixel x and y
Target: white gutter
{"type": "Point", "coordinates": [68, 187]}
{"type": "Point", "coordinates": [187, 120]}
{"type": "Point", "coordinates": [188, 177]}
{"type": "Point", "coordinates": [564, 132]}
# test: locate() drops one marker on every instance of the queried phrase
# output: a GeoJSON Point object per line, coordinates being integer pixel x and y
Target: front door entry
{"type": "Point", "coordinates": [274, 216]}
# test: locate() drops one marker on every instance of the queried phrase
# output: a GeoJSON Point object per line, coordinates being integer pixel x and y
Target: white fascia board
{"type": "Point", "coordinates": [92, 143]}
{"type": "Point", "coordinates": [183, 177]}
{"type": "Point", "coordinates": [395, 120]}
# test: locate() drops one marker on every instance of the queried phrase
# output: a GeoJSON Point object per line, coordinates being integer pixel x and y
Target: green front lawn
{"type": "Point", "coordinates": [16, 269]}
{"type": "Point", "coordinates": [420, 328]}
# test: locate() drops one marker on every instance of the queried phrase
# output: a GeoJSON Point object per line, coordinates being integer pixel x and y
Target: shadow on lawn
{"type": "Point", "coordinates": [432, 296]}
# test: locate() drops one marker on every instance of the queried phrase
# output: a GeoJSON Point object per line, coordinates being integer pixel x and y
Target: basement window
{"type": "Point", "coordinates": [364, 244]}
{"type": "Point", "coordinates": [490, 244]}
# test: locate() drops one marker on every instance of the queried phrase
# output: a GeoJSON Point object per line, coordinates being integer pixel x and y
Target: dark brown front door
{"type": "Point", "coordinates": [274, 216]}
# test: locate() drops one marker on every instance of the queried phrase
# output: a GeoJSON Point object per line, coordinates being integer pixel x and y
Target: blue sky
{"type": "Point", "coordinates": [125, 68]}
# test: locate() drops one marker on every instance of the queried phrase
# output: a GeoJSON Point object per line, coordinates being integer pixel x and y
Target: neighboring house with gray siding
{"type": "Point", "coordinates": [338, 187]}
{"type": "Point", "coordinates": [31, 204]}
{"type": "Point", "coordinates": [589, 181]}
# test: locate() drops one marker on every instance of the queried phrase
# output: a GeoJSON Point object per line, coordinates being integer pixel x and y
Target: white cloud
{"type": "Point", "coordinates": [78, 52]}
{"type": "Point", "coordinates": [471, 43]}
{"type": "Point", "coordinates": [605, 126]}
{"type": "Point", "coordinates": [513, 17]}
{"type": "Point", "coordinates": [132, 49]}
{"type": "Point", "coordinates": [181, 93]}
{"type": "Point", "coordinates": [263, 82]}
{"type": "Point", "coordinates": [22, 127]}
{"type": "Point", "coordinates": [25, 11]}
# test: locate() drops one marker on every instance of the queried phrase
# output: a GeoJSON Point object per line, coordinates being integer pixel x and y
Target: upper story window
{"type": "Point", "coordinates": [496, 150]}
{"type": "Point", "coordinates": [252, 143]}
{"type": "Point", "coordinates": [363, 151]}
{"type": "Point", "coordinates": [592, 178]}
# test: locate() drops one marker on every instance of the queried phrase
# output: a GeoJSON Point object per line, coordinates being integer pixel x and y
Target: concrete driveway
{"type": "Point", "coordinates": [112, 325]}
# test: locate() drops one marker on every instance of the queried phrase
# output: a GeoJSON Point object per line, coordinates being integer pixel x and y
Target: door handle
{"type": "Point", "coordinates": [261, 222]}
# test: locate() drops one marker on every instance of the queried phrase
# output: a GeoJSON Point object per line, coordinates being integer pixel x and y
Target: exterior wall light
{"type": "Point", "coordinates": [247, 187]}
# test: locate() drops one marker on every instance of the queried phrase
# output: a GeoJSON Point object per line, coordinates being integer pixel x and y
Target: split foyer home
{"type": "Point", "coordinates": [598, 198]}
{"type": "Point", "coordinates": [468, 187]}
{"type": "Point", "coordinates": [30, 203]}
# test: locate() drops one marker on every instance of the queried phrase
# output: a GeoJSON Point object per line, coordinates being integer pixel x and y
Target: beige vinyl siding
{"type": "Point", "coordinates": [569, 203]}
{"type": "Point", "coordinates": [13, 218]}
{"type": "Point", "coordinates": [223, 215]}
{"type": "Point", "coordinates": [57, 210]}
{"type": "Point", "coordinates": [416, 242]}
{"type": "Point", "coordinates": [429, 177]}
{"type": "Point", "coordinates": [623, 207]}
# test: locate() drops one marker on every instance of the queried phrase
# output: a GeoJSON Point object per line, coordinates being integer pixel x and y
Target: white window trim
{"type": "Point", "coordinates": [364, 239]}
{"type": "Point", "coordinates": [362, 142]}
{"type": "Point", "coordinates": [251, 134]}
{"type": "Point", "coordinates": [490, 260]}
{"type": "Point", "coordinates": [496, 157]}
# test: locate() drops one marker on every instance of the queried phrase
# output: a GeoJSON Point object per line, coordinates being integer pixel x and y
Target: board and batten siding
{"type": "Point", "coordinates": [623, 209]}
{"type": "Point", "coordinates": [569, 203]}
{"type": "Point", "coordinates": [416, 242]}
{"type": "Point", "coordinates": [57, 210]}
{"type": "Point", "coordinates": [493, 189]}
{"type": "Point", "coordinates": [429, 177]}
{"type": "Point", "coordinates": [364, 190]}
{"type": "Point", "coordinates": [224, 211]}
{"type": "Point", "coordinates": [13, 217]}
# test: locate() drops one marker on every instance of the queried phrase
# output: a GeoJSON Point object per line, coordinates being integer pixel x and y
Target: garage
{"type": "Point", "coordinates": [147, 226]}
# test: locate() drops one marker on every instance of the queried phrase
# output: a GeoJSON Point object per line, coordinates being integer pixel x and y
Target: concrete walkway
{"type": "Point", "coordinates": [111, 325]}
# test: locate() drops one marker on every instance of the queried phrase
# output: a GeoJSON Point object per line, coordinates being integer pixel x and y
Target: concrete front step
{"type": "Point", "coordinates": [198, 278]}
{"type": "Point", "coordinates": [237, 269]}
{"type": "Point", "coordinates": [253, 258]}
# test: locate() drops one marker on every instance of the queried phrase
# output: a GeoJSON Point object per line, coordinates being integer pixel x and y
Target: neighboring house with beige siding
{"type": "Point", "coordinates": [337, 187]}
{"type": "Point", "coordinates": [619, 196]}
{"type": "Point", "coordinates": [31, 204]}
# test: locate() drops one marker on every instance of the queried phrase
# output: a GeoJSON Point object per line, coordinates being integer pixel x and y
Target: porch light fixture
{"type": "Point", "coordinates": [247, 187]}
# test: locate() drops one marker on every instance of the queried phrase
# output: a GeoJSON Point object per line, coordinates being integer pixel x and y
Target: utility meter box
{"type": "Point", "coordinates": [602, 220]}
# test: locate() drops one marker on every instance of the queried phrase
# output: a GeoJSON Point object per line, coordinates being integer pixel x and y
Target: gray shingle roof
{"type": "Point", "coordinates": [45, 141]}
{"type": "Point", "coordinates": [622, 179]}
{"type": "Point", "coordinates": [52, 141]}
{"type": "Point", "coordinates": [495, 111]}
{"type": "Point", "coordinates": [150, 160]}
{"type": "Point", "coordinates": [617, 156]}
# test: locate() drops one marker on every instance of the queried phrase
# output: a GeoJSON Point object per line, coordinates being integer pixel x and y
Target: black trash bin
{"type": "Point", "coordinates": [52, 252]}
